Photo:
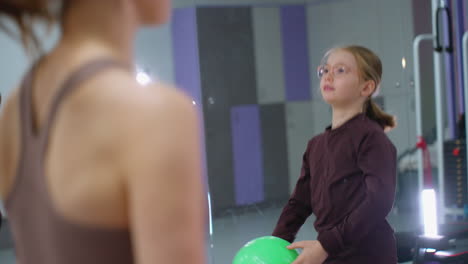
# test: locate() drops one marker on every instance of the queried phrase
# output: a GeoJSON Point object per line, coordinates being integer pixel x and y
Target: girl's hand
{"type": "Point", "coordinates": [312, 252]}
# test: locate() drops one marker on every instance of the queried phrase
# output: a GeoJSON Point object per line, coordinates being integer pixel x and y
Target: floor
{"type": "Point", "coordinates": [233, 230]}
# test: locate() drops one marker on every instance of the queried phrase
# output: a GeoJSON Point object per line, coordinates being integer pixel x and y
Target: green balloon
{"type": "Point", "coordinates": [266, 250]}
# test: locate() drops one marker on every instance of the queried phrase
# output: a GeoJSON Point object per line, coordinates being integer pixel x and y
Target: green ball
{"type": "Point", "coordinates": [266, 250]}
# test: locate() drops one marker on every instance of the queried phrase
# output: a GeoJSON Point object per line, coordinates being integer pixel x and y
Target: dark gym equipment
{"type": "Point", "coordinates": [450, 248]}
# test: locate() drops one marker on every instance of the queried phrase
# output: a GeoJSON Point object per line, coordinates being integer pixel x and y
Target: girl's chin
{"type": "Point", "coordinates": [328, 99]}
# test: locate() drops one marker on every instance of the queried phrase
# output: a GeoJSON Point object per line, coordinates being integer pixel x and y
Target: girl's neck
{"type": "Point", "coordinates": [340, 116]}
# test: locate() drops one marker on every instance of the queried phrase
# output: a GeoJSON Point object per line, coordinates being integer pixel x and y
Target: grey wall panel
{"type": "Point", "coordinates": [403, 136]}
{"type": "Point", "coordinates": [299, 129]}
{"type": "Point", "coordinates": [227, 53]}
{"type": "Point", "coordinates": [219, 156]}
{"type": "Point", "coordinates": [318, 19]}
{"type": "Point", "coordinates": [321, 115]}
{"type": "Point", "coordinates": [268, 55]}
{"type": "Point", "coordinates": [275, 152]}
{"type": "Point", "coordinates": [154, 52]}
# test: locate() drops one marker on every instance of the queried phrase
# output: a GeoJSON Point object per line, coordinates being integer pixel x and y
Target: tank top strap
{"type": "Point", "coordinates": [83, 73]}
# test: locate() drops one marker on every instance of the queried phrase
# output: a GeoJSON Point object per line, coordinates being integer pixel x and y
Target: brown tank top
{"type": "Point", "coordinates": [41, 235]}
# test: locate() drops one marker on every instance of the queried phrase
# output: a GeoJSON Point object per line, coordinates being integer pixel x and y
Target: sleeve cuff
{"type": "Point", "coordinates": [290, 239]}
{"type": "Point", "coordinates": [331, 241]}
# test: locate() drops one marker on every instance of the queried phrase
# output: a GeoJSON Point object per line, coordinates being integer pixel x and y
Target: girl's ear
{"type": "Point", "coordinates": [368, 89]}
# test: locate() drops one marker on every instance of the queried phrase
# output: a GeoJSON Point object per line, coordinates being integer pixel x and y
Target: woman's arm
{"type": "Point", "coordinates": [165, 184]}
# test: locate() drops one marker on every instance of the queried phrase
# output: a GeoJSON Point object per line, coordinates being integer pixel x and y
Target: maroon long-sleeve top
{"type": "Point", "coordinates": [347, 180]}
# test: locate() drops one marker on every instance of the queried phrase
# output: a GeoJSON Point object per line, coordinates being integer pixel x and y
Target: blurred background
{"type": "Point", "coordinates": [250, 67]}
